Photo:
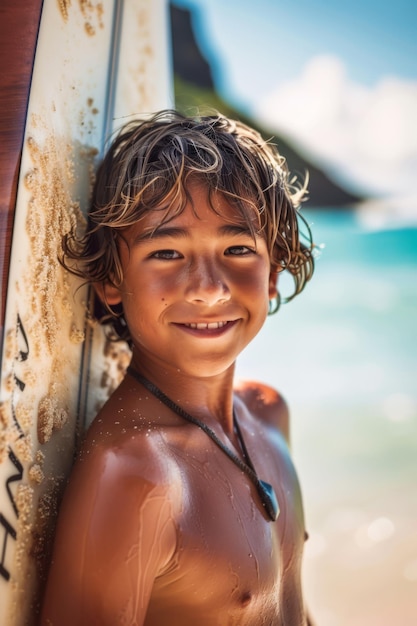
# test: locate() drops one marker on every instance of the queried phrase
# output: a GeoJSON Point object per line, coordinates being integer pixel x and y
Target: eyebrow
{"type": "Point", "coordinates": [165, 232]}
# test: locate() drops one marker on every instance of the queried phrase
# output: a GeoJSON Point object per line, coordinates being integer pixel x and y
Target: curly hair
{"type": "Point", "coordinates": [149, 166]}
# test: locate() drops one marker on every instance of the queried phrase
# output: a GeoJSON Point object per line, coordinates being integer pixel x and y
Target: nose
{"type": "Point", "coordinates": [206, 283]}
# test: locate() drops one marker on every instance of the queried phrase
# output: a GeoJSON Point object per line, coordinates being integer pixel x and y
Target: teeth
{"type": "Point", "coordinates": [204, 326]}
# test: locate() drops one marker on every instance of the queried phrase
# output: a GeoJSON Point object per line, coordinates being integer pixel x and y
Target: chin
{"type": "Point", "coordinates": [206, 370]}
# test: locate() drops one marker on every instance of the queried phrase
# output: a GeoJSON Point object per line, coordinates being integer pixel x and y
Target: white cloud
{"type": "Point", "coordinates": [365, 136]}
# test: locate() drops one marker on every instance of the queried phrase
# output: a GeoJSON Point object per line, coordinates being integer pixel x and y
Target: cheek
{"type": "Point", "coordinates": [146, 298]}
{"type": "Point", "coordinates": [255, 283]}
{"type": "Point", "coordinates": [256, 290]}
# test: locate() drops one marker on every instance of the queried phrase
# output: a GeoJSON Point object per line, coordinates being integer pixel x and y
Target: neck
{"type": "Point", "coordinates": [207, 397]}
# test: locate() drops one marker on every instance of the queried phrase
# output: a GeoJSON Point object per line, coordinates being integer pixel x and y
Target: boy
{"type": "Point", "coordinates": [184, 507]}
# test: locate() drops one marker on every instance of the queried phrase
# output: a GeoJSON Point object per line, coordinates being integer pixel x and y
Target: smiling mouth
{"type": "Point", "coordinates": [206, 326]}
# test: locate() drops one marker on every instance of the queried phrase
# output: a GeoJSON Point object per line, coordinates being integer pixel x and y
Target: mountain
{"type": "Point", "coordinates": [194, 89]}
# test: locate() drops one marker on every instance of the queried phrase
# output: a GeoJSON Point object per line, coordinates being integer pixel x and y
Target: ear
{"type": "Point", "coordinates": [108, 293]}
{"type": "Point", "coordinates": [273, 283]}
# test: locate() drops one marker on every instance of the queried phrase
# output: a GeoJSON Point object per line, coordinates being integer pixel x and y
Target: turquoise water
{"type": "Point", "coordinates": [353, 332]}
{"type": "Point", "coordinates": [344, 354]}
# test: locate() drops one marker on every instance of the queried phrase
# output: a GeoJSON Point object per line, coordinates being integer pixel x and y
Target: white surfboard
{"type": "Point", "coordinates": [97, 64]}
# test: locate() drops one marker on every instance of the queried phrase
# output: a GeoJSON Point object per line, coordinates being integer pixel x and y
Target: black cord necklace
{"type": "Point", "coordinates": [265, 490]}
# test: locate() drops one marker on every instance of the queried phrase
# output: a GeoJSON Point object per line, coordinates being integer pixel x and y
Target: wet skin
{"type": "Point", "coordinates": [158, 526]}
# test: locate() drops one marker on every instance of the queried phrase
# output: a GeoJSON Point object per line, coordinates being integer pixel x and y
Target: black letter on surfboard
{"type": "Point", "coordinates": [22, 356]}
{"type": "Point", "coordinates": [13, 478]}
{"type": "Point", "coordinates": [9, 530]}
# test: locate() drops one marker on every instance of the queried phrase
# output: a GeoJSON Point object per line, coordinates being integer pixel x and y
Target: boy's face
{"type": "Point", "coordinates": [197, 290]}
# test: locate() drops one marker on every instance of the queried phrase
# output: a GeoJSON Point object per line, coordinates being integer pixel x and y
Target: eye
{"type": "Point", "coordinates": [240, 251]}
{"type": "Point", "coordinates": [166, 255]}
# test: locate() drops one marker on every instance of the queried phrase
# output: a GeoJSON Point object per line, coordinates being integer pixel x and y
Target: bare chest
{"type": "Point", "coordinates": [231, 563]}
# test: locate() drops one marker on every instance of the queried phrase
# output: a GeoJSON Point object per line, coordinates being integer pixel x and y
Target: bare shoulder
{"type": "Point", "coordinates": [121, 445]}
{"type": "Point", "coordinates": [266, 403]}
{"type": "Point", "coordinates": [122, 466]}
{"type": "Point", "coordinates": [125, 494]}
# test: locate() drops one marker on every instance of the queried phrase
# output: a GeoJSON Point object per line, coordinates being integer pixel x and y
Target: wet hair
{"type": "Point", "coordinates": [149, 167]}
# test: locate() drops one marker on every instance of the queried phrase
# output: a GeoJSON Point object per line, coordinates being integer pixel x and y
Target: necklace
{"type": "Point", "coordinates": [265, 490]}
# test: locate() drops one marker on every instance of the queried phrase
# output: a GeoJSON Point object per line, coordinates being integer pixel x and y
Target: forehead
{"type": "Point", "coordinates": [201, 206]}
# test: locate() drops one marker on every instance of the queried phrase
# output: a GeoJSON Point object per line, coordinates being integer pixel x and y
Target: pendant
{"type": "Point", "coordinates": [269, 499]}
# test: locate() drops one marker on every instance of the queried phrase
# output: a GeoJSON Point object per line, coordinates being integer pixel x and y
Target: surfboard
{"type": "Point", "coordinates": [95, 66]}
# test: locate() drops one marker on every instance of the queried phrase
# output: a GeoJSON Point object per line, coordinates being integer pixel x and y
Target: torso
{"type": "Point", "coordinates": [229, 564]}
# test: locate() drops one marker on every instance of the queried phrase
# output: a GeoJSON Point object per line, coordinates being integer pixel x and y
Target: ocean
{"type": "Point", "coordinates": [344, 355]}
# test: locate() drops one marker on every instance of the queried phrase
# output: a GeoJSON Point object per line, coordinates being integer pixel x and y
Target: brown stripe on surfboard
{"type": "Point", "coordinates": [19, 24]}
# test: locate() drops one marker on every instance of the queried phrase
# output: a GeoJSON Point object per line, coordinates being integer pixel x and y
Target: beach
{"type": "Point", "coordinates": [344, 355]}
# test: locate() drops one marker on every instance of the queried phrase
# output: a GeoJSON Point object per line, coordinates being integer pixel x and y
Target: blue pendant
{"type": "Point", "coordinates": [269, 499]}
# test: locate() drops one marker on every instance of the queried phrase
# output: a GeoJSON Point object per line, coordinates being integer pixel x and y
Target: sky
{"type": "Point", "coordinates": [338, 79]}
